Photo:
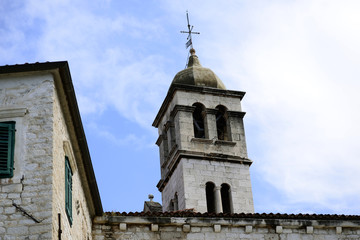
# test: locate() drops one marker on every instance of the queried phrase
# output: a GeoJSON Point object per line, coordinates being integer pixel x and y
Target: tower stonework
{"type": "Point", "coordinates": [203, 155]}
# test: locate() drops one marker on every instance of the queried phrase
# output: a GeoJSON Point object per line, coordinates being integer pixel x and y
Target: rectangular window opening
{"type": "Point", "coordinates": [7, 143]}
{"type": "Point", "coordinates": [68, 190]}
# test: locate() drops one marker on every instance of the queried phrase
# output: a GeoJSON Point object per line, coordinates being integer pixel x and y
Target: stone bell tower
{"type": "Point", "coordinates": [203, 155]}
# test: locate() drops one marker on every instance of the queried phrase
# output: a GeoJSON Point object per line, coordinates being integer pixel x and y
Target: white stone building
{"type": "Point", "coordinates": [48, 188]}
{"type": "Point", "coordinates": [47, 183]}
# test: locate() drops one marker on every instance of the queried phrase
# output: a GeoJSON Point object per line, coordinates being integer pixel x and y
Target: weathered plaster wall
{"type": "Point", "coordinates": [202, 228]}
{"type": "Point", "coordinates": [28, 101]}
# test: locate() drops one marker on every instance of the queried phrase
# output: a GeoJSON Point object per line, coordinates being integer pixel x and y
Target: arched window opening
{"type": "Point", "coordinates": [221, 123]}
{"type": "Point", "coordinates": [210, 198]}
{"type": "Point", "coordinates": [171, 206]}
{"type": "Point", "coordinates": [226, 198]}
{"type": "Point", "coordinates": [198, 120]}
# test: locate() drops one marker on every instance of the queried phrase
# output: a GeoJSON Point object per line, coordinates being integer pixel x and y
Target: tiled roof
{"type": "Point", "coordinates": [28, 66]}
{"type": "Point", "coordinates": [237, 215]}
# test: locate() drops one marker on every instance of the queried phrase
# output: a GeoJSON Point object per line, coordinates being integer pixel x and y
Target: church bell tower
{"type": "Point", "coordinates": [203, 155]}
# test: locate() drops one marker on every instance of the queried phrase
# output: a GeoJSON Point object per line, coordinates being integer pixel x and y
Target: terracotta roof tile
{"type": "Point", "coordinates": [238, 215]}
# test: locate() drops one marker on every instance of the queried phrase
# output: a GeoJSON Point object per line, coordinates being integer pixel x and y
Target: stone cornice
{"type": "Point", "coordinates": [179, 154]}
{"type": "Point", "coordinates": [223, 142]}
{"type": "Point", "coordinates": [292, 221]}
{"type": "Point", "coordinates": [159, 140]}
{"type": "Point", "coordinates": [211, 111]}
{"type": "Point", "coordinates": [167, 125]}
{"type": "Point", "coordinates": [236, 114]}
{"type": "Point", "coordinates": [182, 108]}
{"type": "Point", "coordinates": [11, 112]}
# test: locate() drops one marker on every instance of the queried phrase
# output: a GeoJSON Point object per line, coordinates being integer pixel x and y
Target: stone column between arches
{"type": "Point", "coordinates": [218, 202]}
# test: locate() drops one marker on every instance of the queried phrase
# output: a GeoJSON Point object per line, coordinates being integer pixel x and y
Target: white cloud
{"type": "Point", "coordinates": [298, 62]}
{"type": "Point", "coordinates": [130, 140]}
{"type": "Point", "coordinates": [106, 55]}
{"type": "Point", "coordinates": [298, 67]}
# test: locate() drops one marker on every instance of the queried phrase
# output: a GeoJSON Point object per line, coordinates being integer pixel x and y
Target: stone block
{"type": "Point", "coordinates": [122, 226]}
{"type": "Point", "coordinates": [279, 229]}
{"type": "Point", "coordinates": [11, 188]}
{"type": "Point", "coordinates": [154, 227]}
{"type": "Point", "coordinates": [248, 229]}
{"type": "Point", "coordinates": [338, 230]}
{"type": "Point", "coordinates": [13, 195]}
{"type": "Point", "coordinates": [19, 230]}
{"type": "Point", "coordinates": [186, 228]}
{"type": "Point", "coordinates": [39, 229]}
{"type": "Point", "coordinates": [217, 228]}
{"type": "Point", "coordinates": [9, 210]}
{"type": "Point", "coordinates": [310, 229]}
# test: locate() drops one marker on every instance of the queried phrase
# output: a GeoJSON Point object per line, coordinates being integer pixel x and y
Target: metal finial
{"type": "Point", "coordinates": [151, 197]}
{"type": "Point", "coordinates": [190, 28]}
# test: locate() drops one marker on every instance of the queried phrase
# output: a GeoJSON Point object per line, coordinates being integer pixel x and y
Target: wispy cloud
{"type": "Point", "coordinates": [298, 61]}
{"type": "Point", "coordinates": [107, 55]}
{"type": "Point", "coordinates": [130, 140]}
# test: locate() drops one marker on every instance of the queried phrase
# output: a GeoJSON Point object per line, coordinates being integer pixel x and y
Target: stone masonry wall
{"type": "Point", "coordinates": [31, 200]}
{"type": "Point", "coordinates": [198, 172]}
{"type": "Point", "coordinates": [28, 101]}
{"type": "Point", "coordinates": [190, 177]}
{"type": "Point", "coordinates": [175, 185]}
{"type": "Point", "coordinates": [205, 228]}
{"type": "Point", "coordinates": [62, 146]}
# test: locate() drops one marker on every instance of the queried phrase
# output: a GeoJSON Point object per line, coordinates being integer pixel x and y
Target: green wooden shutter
{"type": "Point", "coordinates": [7, 141]}
{"type": "Point", "coordinates": [68, 190]}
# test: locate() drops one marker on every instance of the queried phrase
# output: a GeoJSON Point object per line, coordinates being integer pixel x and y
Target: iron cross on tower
{"type": "Point", "coordinates": [189, 42]}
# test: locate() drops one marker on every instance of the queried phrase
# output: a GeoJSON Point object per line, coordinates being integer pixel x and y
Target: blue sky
{"type": "Point", "coordinates": [298, 61]}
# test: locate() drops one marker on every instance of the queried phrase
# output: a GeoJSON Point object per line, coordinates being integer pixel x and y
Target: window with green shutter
{"type": "Point", "coordinates": [7, 141]}
{"type": "Point", "coordinates": [68, 190]}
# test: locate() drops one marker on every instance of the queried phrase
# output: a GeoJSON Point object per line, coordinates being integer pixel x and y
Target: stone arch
{"type": "Point", "coordinates": [198, 120]}
{"type": "Point", "coordinates": [222, 123]}
{"type": "Point", "coordinates": [226, 198]}
{"type": "Point", "coordinates": [171, 205]}
{"type": "Point", "coordinates": [210, 197]}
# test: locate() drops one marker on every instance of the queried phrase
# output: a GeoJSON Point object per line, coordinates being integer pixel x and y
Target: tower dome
{"type": "Point", "coordinates": [197, 75]}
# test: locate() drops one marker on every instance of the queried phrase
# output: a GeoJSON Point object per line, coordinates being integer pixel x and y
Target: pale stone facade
{"type": "Point", "coordinates": [82, 222]}
{"type": "Point", "coordinates": [31, 200]}
{"type": "Point", "coordinates": [202, 227]}
{"type": "Point", "coordinates": [31, 186]}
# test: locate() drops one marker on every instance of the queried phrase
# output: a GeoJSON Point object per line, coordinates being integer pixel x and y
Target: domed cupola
{"type": "Point", "coordinates": [197, 75]}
